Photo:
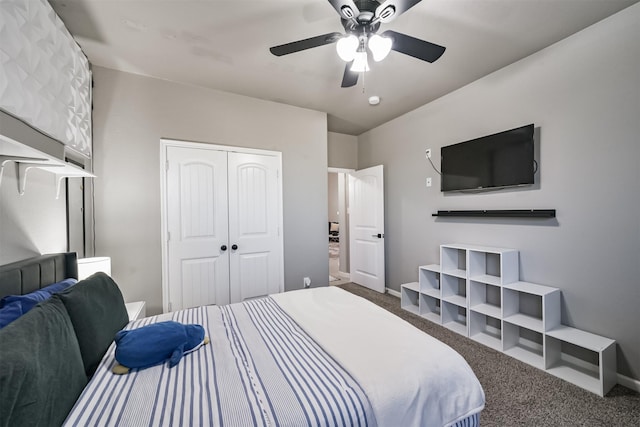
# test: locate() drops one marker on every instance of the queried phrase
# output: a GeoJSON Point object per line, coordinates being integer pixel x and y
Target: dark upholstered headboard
{"type": "Point", "coordinates": [22, 277]}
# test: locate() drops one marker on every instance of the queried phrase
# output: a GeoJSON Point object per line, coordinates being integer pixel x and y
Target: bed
{"type": "Point", "coordinates": [317, 356]}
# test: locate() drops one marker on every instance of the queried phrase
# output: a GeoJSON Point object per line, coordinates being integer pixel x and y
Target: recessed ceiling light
{"type": "Point", "coordinates": [374, 100]}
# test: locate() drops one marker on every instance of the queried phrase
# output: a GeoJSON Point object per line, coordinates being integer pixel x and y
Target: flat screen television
{"type": "Point", "coordinates": [504, 159]}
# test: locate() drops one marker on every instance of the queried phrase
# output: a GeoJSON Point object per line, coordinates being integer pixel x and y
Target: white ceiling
{"type": "Point", "coordinates": [224, 45]}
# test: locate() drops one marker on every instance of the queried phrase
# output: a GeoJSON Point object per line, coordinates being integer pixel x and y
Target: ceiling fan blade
{"type": "Point", "coordinates": [349, 78]}
{"type": "Point", "coordinates": [412, 46]}
{"type": "Point", "coordinates": [391, 9]}
{"type": "Point", "coordinates": [347, 9]}
{"type": "Point", "coordinates": [297, 46]}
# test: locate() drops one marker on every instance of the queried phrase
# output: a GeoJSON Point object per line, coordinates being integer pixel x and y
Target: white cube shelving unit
{"type": "Point", "coordinates": [476, 292]}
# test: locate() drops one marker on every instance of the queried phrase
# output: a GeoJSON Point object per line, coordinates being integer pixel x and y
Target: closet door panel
{"type": "Point", "coordinates": [253, 225]}
{"type": "Point", "coordinates": [197, 223]}
{"type": "Point", "coordinates": [197, 276]}
{"type": "Point", "coordinates": [254, 275]}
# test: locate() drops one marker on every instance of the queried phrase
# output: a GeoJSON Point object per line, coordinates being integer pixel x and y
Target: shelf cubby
{"type": "Point", "coordinates": [454, 290]}
{"type": "Point", "coordinates": [429, 280]}
{"type": "Point", "coordinates": [453, 260]}
{"type": "Point", "coordinates": [485, 299]}
{"type": "Point", "coordinates": [454, 317]}
{"type": "Point", "coordinates": [485, 329]}
{"type": "Point", "coordinates": [430, 308]}
{"type": "Point", "coordinates": [523, 344]}
{"type": "Point", "coordinates": [493, 266]}
{"type": "Point", "coordinates": [531, 306]}
{"type": "Point", "coordinates": [409, 297]}
{"type": "Point", "coordinates": [596, 374]}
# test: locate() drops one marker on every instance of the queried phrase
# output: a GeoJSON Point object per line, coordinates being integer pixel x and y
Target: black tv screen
{"type": "Point", "coordinates": [504, 159]}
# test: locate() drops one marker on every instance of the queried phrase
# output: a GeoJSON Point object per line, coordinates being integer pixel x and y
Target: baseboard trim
{"type": "Point", "coordinates": [393, 292]}
{"type": "Point", "coordinates": [344, 275]}
{"type": "Point", "coordinates": [629, 382]}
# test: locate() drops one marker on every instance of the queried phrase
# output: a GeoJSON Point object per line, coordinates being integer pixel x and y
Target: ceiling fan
{"type": "Point", "coordinates": [361, 20]}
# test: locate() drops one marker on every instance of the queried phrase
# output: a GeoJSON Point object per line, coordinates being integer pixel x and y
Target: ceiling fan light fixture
{"type": "Point", "coordinates": [347, 47]}
{"type": "Point", "coordinates": [387, 13]}
{"type": "Point", "coordinates": [379, 47]}
{"type": "Point", "coordinates": [347, 12]}
{"type": "Point", "coordinates": [360, 64]}
{"type": "Point", "coordinates": [360, 37]}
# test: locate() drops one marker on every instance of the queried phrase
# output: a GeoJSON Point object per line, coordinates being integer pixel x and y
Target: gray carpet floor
{"type": "Point", "coordinates": [518, 394]}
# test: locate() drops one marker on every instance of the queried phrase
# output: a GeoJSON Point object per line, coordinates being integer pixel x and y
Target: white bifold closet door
{"type": "Point", "coordinates": [223, 216]}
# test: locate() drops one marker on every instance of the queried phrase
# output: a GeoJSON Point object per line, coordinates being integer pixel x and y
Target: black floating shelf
{"type": "Point", "coordinates": [510, 213]}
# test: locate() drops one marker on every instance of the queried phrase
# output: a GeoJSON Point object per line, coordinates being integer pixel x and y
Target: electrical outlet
{"type": "Point", "coordinates": [429, 182]}
{"type": "Point", "coordinates": [428, 153]}
{"type": "Point", "coordinates": [307, 282]}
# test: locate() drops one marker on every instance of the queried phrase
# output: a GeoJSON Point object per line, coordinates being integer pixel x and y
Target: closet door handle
{"type": "Point", "coordinates": [223, 248]}
{"type": "Point", "coordinates": [234, 247]}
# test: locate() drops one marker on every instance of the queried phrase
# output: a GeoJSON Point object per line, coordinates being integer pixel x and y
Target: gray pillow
{"type": "Point", "coordinates": [41, 369]}
{"type": "Point", "coordinates": [97, 311]}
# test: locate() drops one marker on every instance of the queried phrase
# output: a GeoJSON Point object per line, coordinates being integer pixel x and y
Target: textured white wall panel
{"type": "Point", "coordinates": [44, 75]}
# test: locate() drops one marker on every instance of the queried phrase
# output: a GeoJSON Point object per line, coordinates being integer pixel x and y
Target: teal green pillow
{"type": "Point", "coordinates": [41, 369]}
{"type": "Point", "coordinates": [97, 311]}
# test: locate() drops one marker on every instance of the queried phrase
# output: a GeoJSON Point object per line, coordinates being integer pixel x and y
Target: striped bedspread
{"type": "Point", "coordinates": [260, 369]}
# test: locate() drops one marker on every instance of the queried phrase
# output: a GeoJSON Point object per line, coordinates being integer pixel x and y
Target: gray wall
{"type": "Point", "coordinates": [342, 151]}
{"type": "Point", "coordinates": [583, 94]}
{"type": "Point", "coordinates": [131, 114]}
{"type": "Point", "coordinates": [34, 223]}
{"type": "Point", "coordinates": [332, 184]}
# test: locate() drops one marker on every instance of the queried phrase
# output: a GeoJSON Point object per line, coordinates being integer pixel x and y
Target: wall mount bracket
{"type": "Point", "coordinates": [23, 164]}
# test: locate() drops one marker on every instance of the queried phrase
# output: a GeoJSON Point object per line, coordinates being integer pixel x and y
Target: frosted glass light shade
{"type": "Point", "coordinates": [346, 47]}
{"type": "Point", "coordinates": [89, 266]}
{"type": "Point", "coordinates": [360, 63]}
{"type": "Point", "coordinates": [379, 47]}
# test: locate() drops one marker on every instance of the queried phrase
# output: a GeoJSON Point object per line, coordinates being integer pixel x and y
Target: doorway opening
{"type": "Point", "coordinates": [338, 226]}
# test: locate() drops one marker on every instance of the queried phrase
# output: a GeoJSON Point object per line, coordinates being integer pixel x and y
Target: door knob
{"type": "Point", "coordinates": [234, 247]}
{"type": "Point", "coordinates": [223, 248]}
{"type": "Point", "coordinates": [379, 235]}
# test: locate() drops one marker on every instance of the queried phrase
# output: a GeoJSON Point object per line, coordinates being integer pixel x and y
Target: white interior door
{"type": "Point", "coordinates": [254, 226]}
{"type": "Point", "coordinates": [196, 206]}
{"type": "Point", "coordinates": [366, 227]}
